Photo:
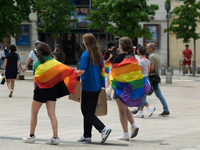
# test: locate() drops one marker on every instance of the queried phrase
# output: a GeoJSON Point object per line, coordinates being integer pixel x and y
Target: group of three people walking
{"type": "Point", "coordinates": [89, 70]}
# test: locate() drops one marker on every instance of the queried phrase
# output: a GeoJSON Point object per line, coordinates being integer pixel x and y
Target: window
{"type": "Point", "coordinates": [81, 14]}
{"type": "Point", "coordinates": [81, 2]}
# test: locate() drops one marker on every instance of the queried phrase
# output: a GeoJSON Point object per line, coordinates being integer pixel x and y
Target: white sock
{"type": "Point", "coordinates": [134, 126]}
{"type": "Point", "coordinates": [126, 134]}
{"type": "Point", "coordinates": [140, 112]}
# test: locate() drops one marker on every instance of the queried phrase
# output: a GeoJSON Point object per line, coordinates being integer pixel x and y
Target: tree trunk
{"type": "Point", "coordinates": [194, 61]}
{"type": "Point", "coordinates": [55, 42]}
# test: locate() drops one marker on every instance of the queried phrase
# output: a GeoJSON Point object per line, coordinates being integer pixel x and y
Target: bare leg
{"type": "Point", "coordinates": [122, 114]}
{"type": "Point", "coordinates": [129, 116]}
{"type": "Point", "coordinates": [34, 111]}
{"type": "Point", "coordinates": [51, 113]}
{"type": "Point", "coordinates": [183, 68]}
{"type": "Point", "coordinates": [12, 84]}
{"type": "Point", "coordinates": [189, 67]}
{"type": "Point", "coordinates": [8, 81]}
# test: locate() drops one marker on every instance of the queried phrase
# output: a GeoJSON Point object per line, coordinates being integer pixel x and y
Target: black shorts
{"type": "Point", "coordinates": [44, 95]}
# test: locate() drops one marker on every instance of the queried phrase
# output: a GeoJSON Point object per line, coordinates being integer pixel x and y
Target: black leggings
{"type": "Point", "coordinates": [88, 107]}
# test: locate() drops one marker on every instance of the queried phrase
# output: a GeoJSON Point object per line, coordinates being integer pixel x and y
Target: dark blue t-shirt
{"type": "Point", "coordinates": [91, 78]}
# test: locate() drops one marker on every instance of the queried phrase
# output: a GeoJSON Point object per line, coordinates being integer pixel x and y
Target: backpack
{"type": "Point", "coordinates": [35, 52]}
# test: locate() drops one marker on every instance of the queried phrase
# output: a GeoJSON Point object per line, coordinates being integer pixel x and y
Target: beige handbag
{"type": "Point", "coordinates": [101, 109]}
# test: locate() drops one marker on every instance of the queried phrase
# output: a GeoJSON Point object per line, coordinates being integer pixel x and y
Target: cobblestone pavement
{"type": "Point", "coordinates": [178, 131]}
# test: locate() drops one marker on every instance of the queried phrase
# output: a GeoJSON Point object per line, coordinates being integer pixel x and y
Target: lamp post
{"type": "Point", "coordinates": [167, 8]}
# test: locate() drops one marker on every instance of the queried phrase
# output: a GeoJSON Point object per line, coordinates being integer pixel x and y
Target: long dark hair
{"type": "Point", "coordinates": [93, 48]}
{"type": "Point", "coordinates": [59, 49]}
{"type": "Point", "coordinates": [43, 49]}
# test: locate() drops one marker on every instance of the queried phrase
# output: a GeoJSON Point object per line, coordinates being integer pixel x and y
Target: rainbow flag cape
{"type": "Point", "coordinates": [52, 72]}
{"type": "Point", "coordinates": [107, 66]}
{"type": "Point", "coordinates": [102, 75]}
{"type": "Point", "coordinates": [128, 82]}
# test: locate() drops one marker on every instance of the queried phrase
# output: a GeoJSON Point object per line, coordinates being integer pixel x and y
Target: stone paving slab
{"type": "Point", "coordinates": [178, 131]}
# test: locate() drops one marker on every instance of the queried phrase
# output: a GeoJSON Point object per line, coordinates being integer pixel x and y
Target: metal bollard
{"type": "Point", "coordinates": [198, 70]}
{"type": "Point", "coordinates": [170, 69]}
{"type": "Point", "coordinates": [169, 78]}
{"type": "Point", "coordinates": [163, 71]}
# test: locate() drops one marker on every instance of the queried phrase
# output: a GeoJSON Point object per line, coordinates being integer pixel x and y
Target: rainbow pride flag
{"type": "Point", "coordinates": [107, 66]}
{"type": "Point", "coordinates": [102, 75]}
{"type": "Point", "coordinates": [52, 72]}
{"type": "Point", "coordinates": [128, 82]}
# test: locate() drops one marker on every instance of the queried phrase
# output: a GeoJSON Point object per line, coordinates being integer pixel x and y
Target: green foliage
{"type": "Point", "coordinates": [121, 17]}
{"type": "Point", "coordinates": [185, 25]}
{"type": "Point", "coordinates": [12, 13]}
{"type": "Point", "coordinates": [57, 15]}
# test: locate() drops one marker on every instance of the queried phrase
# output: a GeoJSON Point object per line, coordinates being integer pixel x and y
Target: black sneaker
{"type": "Point", "coordinates": [164, 113]}
{"type": "Point", "coordinates": [134, 111]}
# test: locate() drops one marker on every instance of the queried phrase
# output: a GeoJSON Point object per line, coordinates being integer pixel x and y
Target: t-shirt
{"type": "Point", "coordinates": [187, 53]}
{"type": "Point", "coordinates": [119, 58]}
{"type": "Point", "coordinates": [33, 57]}
{"type": "Point", "coordinates": [91, 78]}
{"type": "Point", "coordinates": [137, 57]}
{"type": "Point", "coordinates": [107, 55]}
{"type": "Point", "coordinates": [154, 59]}
{"type": "Point", "coordinates": [2, 54]}
{"type": "Point", "coordinates": [143, 63]}
{"type": "Point", "coordinates": [12, 60]}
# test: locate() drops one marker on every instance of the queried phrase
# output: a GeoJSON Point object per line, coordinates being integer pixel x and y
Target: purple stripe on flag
{"type": "Point", "coordinates": [124, 97]}
{"type": "Point", "coordinates": [132, 102]}
{"type": "Point", "coordinates": [146, 88]}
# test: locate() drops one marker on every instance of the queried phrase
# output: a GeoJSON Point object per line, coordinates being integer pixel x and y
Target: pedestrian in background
{"type": "Point", "coordinates": [32, 56]}
{"type": "Point", "coordinates": [89, 70]}
{"type": "Point", "coordinates": [187, 55]}
{"type": "Point", "coordinates": [12, 60]}
{"type": "Point", "coordinates": [108, 60]}
{"type": "Point", "coordinates": [58, 53]}
{"type": "Point", "coordinates": [155, 66]}
{"type": "Point", "coordinates": [145, 68]}
{"type": "Point", "coordinates": [2, 56]}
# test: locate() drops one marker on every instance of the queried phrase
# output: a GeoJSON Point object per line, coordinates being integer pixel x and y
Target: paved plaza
{"type": "Point", "coordinates": [178, 131]}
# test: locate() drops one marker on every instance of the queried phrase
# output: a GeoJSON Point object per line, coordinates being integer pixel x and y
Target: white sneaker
{"type": "Point", "coordinates": [29, 139]}
{"type": "Point", "coordinates": [105, 133]}
{"type": "Point", "coordinates": [83, 139]}
{"type": "Point", "coordinates": [54, 141]}
{"type": "Point", "coordinates": [109, 98]}
{"type": "Point", "coordinates": [151, 110]}
{"type": "Point", "coordinates": [139, 114]}
{"type": "Point", "coordinates": [134, 131]}
{"type": "Point", "coordinates": [124, 136]}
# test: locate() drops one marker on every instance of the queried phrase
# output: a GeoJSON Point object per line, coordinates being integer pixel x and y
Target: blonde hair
{"type": "Point", "coordinates": [93, 48]}
{"type": "Point", "coordinates": [126, 44]}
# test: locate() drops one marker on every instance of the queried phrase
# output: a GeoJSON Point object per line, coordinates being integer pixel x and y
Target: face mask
{"type": "Point", "coordinates": [120, 50]}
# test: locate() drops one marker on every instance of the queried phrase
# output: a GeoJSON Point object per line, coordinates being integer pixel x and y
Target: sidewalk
{"type": "Point", "coordinates": [178, 131]}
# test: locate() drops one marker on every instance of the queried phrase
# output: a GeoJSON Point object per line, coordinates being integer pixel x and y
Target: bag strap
{"type": "Point", "coordinates": [146, 62]}
{"type": "Point", "coordinates": [35, 52]}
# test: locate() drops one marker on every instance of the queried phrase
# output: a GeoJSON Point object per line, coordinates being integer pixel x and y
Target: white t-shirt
{"type": "Point", "coordinates": [33, 57]}
{"type": "Point", "coordinates": [137, 57]}
{"type": "Point", "coordinates": [143, 63]}
{"type": "Point", "coordinates": [2, 54]}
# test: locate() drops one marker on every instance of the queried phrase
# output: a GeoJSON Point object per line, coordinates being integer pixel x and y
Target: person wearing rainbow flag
{"type": "Point", "coordinates": [129, 85]}
{"type": "Point", "coordinates": [53, 80]}
{"type": "Point", "coordinates": [108, 60]}
{"type": "Point", "coordinates": [90, 65]}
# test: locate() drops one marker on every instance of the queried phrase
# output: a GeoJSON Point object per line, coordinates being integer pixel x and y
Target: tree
{"type": "Point", "coordinates": [12, 13]}
{"type": "Point", "coordinates": [185, 24]}
{"type": "Point", "coordinates": [121, 17]}
{"type": "Point", "coordinates": [57, 15]}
